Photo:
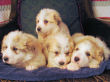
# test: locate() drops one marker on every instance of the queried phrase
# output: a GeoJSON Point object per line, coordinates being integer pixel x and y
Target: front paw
{"type": "Point", "coordinates": [30, 68]}
{"type": "Point", "coordinates": [73, 67]}
{"type": "Point", "coordinates": [93, 66]}
{"type": "Point", "coordinates": [63, 67]}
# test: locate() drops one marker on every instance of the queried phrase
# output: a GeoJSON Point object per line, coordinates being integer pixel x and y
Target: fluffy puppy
{"type": "Point", "coordinates": [48, 21]}
{"type": "Point", "coordinates": [59, 49]}
{"type": "Point", "coordinates": [89, 52]}
{"type": "Point", "coordinates": [22, 50]}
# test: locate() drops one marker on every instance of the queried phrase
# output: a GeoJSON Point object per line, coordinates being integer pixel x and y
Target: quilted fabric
{"type": "Point", "coordinates": [44, 73]}
{"type": "Point", "coordinates": [5, 9]}
{"type": "Point", "coordinates": [101, 8]}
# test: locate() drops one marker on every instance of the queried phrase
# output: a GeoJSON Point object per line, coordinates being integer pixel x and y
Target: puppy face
{"type": "Point", "coordinates": [15, 48]}
{"type": "Point", "coordinates": [86, 51]}
{"type": "Point", "coordinates": [59, 51]}
{"type": "Point", "coordinates": [47, 20]}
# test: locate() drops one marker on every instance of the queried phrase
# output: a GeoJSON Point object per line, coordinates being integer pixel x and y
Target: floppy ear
{"type": "Point", "coordinates": [72, 45]}
{"type": "Point", "coordinates": [47, 45]}
{"type": "Point", "coordinates": [33, 45]}
{"type": "Point", "coordinates": [57, 18]}
{"type": "Point", "coordinates": [99, 54]}
{"type": "Point", "coordinates": [45, 49]}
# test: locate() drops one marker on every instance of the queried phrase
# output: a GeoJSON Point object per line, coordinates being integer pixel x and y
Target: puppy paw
{"type": "Point", "coordinates": [94, 66]}
{"type": "Point", "coordinates": [64, 67]}
{"type": "Point", "coordinates": [30, 68]}
{"type": "Point", "coordinates": [73, 67]}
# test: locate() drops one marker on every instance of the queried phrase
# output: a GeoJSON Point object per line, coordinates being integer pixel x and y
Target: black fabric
{"type": "Point", "coordinates": [97, 28]}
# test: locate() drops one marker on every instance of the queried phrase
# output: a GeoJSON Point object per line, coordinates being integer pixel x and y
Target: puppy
{"type": "Point", "coordinates": [22, 50]}
{"type": "Point", "coordinates": [48, 22]}
{"type": "Point", "coordinates": [88, 52]}
{"type": "Point", "coordinates": [59, 49]}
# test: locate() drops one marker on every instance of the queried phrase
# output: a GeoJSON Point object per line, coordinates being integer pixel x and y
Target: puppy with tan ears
{"type": "Point", "coordinates": [59, 49]}
{"type": "Point", "coordinates": [22, 50]}
{"type": "Point", "coordinates": [48, 22]}
{"type": "Point", "coordinates": [89, 52]}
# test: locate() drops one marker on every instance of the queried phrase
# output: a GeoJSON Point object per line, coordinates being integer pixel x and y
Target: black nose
{"type": "Point", "coordinates": [5, 59]}
{"type": "Point", "coordinates": [76, 59]}
{"type": "Point", "coordinates": [39, 29]}
{"type": "Point", "coordinates": [61, 63]}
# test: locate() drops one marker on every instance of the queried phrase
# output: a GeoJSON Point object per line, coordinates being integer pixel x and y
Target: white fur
{"type": "Point", "coordinates": [62, 45]}
{"type": "Point", "coordinates": [84, 44]}
{"type": "Point", "coordinates": [63, 41]}
{"type": "Point", "coordinates": [81, 53]}
{"type": "Point", "coordinates": [24, 56]}
{"type": "Point", "coordinates": [52, 26]}
{"type": "Point", "coordinates": [105, 48]}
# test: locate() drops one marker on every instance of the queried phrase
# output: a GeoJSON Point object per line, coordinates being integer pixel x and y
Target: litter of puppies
{"type": "Point", "coordinates": [54, 47]}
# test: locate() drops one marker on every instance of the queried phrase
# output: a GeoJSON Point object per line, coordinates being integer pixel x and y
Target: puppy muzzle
{"type": "Point", "coordinates": [61, 63]}
{"type": "Point", "coordinates": [38, 29]}
{"type": "Point", "coordinates": [76, 59]}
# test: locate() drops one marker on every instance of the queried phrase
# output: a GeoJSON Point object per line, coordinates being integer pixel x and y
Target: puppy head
{"type": "Point", "coordinates": [47, 20]}
{"type": "Point", "coordinates": [17, 48]}
{"type": "Point", "coordinates": [59, 50]}
{"type": "Point", "coordinates": [86, 51]}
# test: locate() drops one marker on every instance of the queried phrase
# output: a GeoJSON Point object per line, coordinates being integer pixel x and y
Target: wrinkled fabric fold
{"type": "Point", "coordinates": [44, 73]}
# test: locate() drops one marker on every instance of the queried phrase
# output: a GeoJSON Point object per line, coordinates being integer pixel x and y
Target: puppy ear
{"type": "Point", "coordinates": [33, 46]}
{"type": "Point", "coordinates": [99, 54]}
{"type": "Point", "coordinates": [48, 43]}
{"type": "Point", "coordinates": [57, 18]}
{"type": "Point", "coordinates": [71, 44]}
{"type": "Point", "coordinates": [47, 46]}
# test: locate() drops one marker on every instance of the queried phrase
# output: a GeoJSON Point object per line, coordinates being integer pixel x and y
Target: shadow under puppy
{"type": "Point", "coordinates": [22, 50]}
{"type": "Point", "coordinates": [88, 52]}
{"type": "Point", "coordinates": [48, 22]}
{"type": "Point", "coordinates": [59, 49]}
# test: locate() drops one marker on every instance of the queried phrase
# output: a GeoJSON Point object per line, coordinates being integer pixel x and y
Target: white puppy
{"type": "Point", "coordinates": [48, 22]}
{"type": "Point", "coordinates": [89, 52]}
{"type": "Point", "coordinates": [22, 50]}
{"type": "Point", "coordinates": [59, 49]}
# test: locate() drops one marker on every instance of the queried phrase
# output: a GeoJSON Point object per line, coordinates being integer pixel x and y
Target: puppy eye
{"type": "Point", "coordinates": [87, 53]}
{"type": "Point", "coordinates": [56, 53]}
{"type": "Point", "coordinates": [77, 49]}
{"type": "Point", "coordinates": [14, 48]}
{"type": "Point", "coordinates": [67, 53]}
{"type": "Point", "coordinates": [45, 21]}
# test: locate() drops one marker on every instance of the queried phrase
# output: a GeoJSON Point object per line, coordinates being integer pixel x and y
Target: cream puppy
{"type": "Point", "coordinates": [89, 52]}
{"type": "Point", "coordinates": [59, 49]}
{"type": "Point", "coordinates": [48, 22]}
{"type": "Point", "coordinates": [22, 50]}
